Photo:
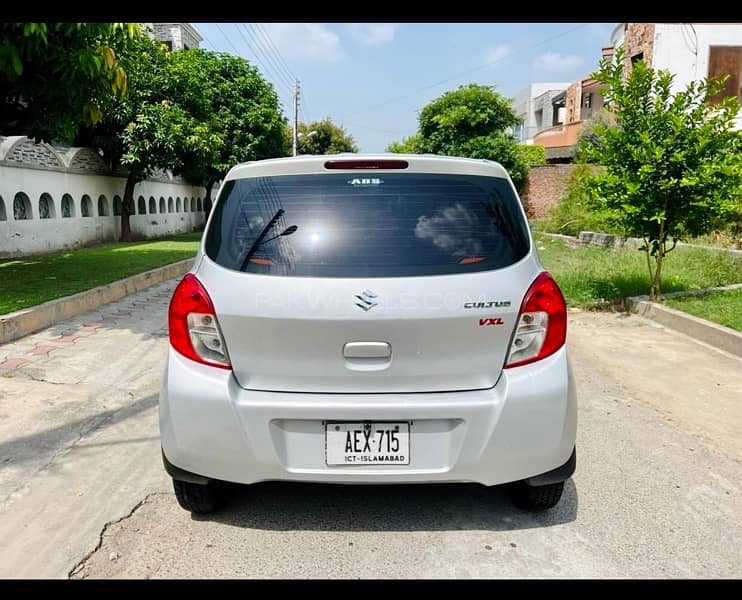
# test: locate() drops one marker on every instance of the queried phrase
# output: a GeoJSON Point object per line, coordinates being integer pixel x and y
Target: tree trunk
{"type": "Point", "coordinates": [126, 205]}
{"type": "Point", "coordinates": [655, 291]}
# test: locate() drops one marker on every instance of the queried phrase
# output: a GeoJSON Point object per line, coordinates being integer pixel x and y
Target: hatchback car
{"type": "Point", "coordinates": [368, 319]}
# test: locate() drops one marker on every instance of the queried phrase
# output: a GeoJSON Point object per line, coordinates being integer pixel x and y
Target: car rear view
{"type": "Point", "coordinates": [368, 319]}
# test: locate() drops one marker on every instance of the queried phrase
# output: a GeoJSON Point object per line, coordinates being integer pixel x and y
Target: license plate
{"type": "Point", "coordinates": [367, 443]}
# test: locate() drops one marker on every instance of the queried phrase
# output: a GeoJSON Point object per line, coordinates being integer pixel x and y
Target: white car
{"type": "Point", "coordinates": [368, 319]}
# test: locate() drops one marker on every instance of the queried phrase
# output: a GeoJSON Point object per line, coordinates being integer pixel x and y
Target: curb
{"type": "Point", "coordinates": [719, 336]}
{"type": "Point", "coordinates": [606, 240]}
{"type": "Point", "coordinates": [35, 318]}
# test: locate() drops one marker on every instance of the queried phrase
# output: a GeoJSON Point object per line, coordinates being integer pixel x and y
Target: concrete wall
{"type": "Point", "coordinates": [684, 50]}
{"type": "Point", "coordinates": [36, 235]}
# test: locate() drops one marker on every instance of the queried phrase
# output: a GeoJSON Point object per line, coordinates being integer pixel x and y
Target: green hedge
{"type": "Point", "coordinates": [534, 154]}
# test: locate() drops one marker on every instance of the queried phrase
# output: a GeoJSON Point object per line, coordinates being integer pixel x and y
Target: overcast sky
{"type": "Point", "coordinates": [373, 78]}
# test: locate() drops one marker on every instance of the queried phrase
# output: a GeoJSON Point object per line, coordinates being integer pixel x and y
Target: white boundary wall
{"type": "Point", "coordinates": [33, 235]}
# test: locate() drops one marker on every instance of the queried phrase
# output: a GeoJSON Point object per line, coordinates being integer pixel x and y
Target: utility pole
{"type": "Point", "coordinates": [296, 115]}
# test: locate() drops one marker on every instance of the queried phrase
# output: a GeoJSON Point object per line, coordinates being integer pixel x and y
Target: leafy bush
{"type": "Point", "coordinates": [578, 210]}
{"type": "Point", "coordinates": [534, 154]}
{"type": "Point", "coordinates": [589, 140]}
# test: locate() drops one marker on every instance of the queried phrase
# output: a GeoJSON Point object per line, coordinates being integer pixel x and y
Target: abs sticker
{"type": "Point", "coordinates": [366, 181]}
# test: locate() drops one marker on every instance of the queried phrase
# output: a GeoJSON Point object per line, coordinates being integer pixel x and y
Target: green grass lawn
{"type": "Point", "coordinates": [594, 277]}
{"type": "Point", "coordinates": [724, 308]}
{"type": "Point", "coordinates": [28, 281]}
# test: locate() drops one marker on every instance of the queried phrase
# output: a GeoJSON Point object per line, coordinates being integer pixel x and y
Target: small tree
{"type": "Point", "coordinates": [58, 77]}
{"type": "Point", "coordinates": [673, 162]}
{"type": "Point", "coordinates": [472, 121]}
{"type": "Point", "coordinates": [241, 110]}
{"type": "Point", "coordinates": [149, 129]}
{"type": "Point", "coordinates": [323, 137]}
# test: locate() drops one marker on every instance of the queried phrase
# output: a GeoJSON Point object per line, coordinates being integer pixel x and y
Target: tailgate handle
{"type": "Point", "coordinates": [367, 350]}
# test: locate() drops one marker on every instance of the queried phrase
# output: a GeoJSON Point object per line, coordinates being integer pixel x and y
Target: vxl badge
{"type": "Point", "coordinates": [367, 300]}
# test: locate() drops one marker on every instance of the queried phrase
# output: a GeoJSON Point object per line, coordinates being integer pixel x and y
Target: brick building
{"type": "Point", "coordinates": [691, 51]}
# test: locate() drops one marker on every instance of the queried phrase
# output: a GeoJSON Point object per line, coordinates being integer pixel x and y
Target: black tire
{"type": "Point", "coordinates": [198, 498]}
{"type": "Point", "coordinates": [535, 497]}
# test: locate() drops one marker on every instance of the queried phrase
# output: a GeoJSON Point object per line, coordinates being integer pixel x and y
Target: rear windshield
{"type": "Point", "coordinates": [367, 225]}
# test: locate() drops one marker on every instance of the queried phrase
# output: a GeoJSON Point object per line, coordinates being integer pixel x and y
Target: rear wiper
{"type": "Point", "coordinates": [260, 239]}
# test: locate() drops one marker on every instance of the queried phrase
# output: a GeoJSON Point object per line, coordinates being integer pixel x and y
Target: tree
{"type": "Point", "coordinates": [470, 121]}
{"type": "Point", "coordinates": [408, 145]}
{"type": "Point", "coordinates": [148, 129]}
{"type": "Point", "coordinates": [673, 163]}
{"type": "Point", "coordinates": [240, 108]}
{"type": "Point", "coordinates": [57, 77]}
{"type": "Point", "coordinates": [588, 139]}
{"type": "Point", "coordinates": [324, 137]}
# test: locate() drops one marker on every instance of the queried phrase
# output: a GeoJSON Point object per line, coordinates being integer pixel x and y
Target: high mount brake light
{"type": "Point", "coordinates": [366, 164]}
{"type": "Point", "coordinates": [542, 323]}
{"type": "Point", "coordinates": [193, 327]}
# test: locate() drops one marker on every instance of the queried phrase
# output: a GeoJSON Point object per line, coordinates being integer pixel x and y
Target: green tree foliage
{"type": "Point", "coordinates": [328, 139]}
{"type": "Point", "coordinates": [194, 113]}
{"type": "Point", "coordinates": [57, 77]}
{"type": "Point", "coordinates": [241, 110]}
{"type": "Point", "coordinates": [673, 163]}
{"type": "Point", "coordinates": [409, 145]}
{"type": "Point", "coordinates": [588, 139]}
{"type": "Point", "coordinates": [472, 122]}
{"type": "Point", "coordinates": [577, 210]}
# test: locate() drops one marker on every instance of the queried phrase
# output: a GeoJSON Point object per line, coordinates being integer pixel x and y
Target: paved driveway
{"type": "Point", "coordinates": [657, 493]}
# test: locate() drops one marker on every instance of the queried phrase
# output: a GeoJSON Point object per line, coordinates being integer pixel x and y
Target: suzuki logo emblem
{"type": "Point", "coordinates": [367, 300]}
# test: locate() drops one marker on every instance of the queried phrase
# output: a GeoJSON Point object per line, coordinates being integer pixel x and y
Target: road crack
{"type": "Point", "coordinates": [83, 561]}
{"type": "Point", "coordinates": [42, 380]}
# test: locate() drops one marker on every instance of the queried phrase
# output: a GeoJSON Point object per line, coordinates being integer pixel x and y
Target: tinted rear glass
{"type": "Point", "coordinates": [366, 225]}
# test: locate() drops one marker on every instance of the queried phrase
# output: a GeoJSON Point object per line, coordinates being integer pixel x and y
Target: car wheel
{"type": "Point", "coordinates": [199, 498]}
{"type": "Point", "coordinates": [535, 497]}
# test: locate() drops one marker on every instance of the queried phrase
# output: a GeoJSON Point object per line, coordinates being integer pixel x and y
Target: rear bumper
{"type": "Point", "coordinates": [522, 428]}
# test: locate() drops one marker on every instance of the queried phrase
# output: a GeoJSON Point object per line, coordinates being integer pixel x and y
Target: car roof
{"type": "Point", "coordinates": [417, 163]}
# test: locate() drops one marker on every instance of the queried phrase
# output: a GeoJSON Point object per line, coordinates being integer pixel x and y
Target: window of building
{"type": "Point", "coordinates": [636, 58]}
{"type": "Point", "coordinates": [152, 205]}
{"type": "Point", "coordinates": [169, 44]}
{"type": "Point", "coordinates": [726, 60]}
{"type": "Point", "coordinates": [142, 206]}
{"type": "Point", "coordinates": [587, 100]}
{"type": "Point", "coordinates": [3, 215]}
{"type": "Point", "coordinates": [116, 206]}
{"type": "Point", "coordinates": [102, 206]}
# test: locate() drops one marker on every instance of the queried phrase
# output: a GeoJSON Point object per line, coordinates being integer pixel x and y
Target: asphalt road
{"type": "Point", "coordinates": [657, 492]}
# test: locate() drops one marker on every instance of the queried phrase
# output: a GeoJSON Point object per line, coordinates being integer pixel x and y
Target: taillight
{"type": "Point", "coordinates": [194, 330]}
{"type": "Point", "coordinates": [542, 323]}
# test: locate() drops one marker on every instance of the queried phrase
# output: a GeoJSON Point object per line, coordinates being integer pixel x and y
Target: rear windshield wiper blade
{"type": "Point", "coordinates": [259, 239]}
